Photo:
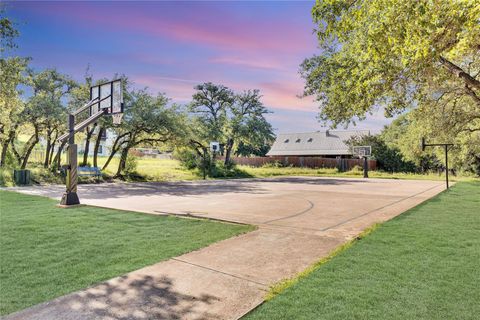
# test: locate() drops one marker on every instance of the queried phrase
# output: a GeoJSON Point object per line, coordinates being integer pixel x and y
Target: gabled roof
{"type": "Point", "coordinates": [328, 142]}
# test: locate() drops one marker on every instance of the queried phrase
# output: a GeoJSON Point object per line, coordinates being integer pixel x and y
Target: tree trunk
{"type": "Point", "coordinates": [97, 146]}
{"type": "Point", "coordinates": [47, 151]}
{"type": "Point", "coordinates": [52, 151]}
{"type": "Point", "coordinates": [4, 152]}
{"type": "Point", "coordinates": [123, 160]}
{"type": "Point", "coordinates": [228, 151]}
{"type": "Point", "coordinates": [31, 144]}
{"type": "Point", "coordinates": [5, 144]}
{"type": "Point", "coordinates": [15, 152]}
{"type": "Point", "coordinates": [58, 156]}
{"type": "Point", "coordinates": [87, 144]}
{"type": "Point", "coordinates": [115, 148]}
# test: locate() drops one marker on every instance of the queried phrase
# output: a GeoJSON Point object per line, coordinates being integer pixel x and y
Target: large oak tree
{"type": "Point", "coordinates": [396, 55]}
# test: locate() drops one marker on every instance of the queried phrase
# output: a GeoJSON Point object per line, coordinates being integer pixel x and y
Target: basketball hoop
{"type": "Point", "coordinates": [362, 151]}
{"type": "Point", "coordinates": [105, 99]}
{"type": "Point", "coordinates": [117, 118]}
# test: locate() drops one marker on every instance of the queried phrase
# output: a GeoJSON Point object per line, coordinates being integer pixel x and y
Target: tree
{"type": "Point", "coordinates": [405, 132]}
{"type": "Point", "coordinates": [399, 55]}
{"type": "Point", "coordinates": [12, 75]}
{"type": "Point", "coordinates": [147, 121]}
{"type": "Point", "coordinates": [247, 124]}
{"type": "Point", "coordinates": [11, 105]}
{"type": "Point", "coordinates": [44, 112]}
{"type": "Point", "coordinates": [388, 158]}
{"type": "Point", "coordinates": [8, 32]}
{"type": "Point", "coordinates": [231, 119]}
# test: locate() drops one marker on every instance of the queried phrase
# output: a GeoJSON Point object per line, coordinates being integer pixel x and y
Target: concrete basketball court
{"type": "Point", "coordinates": [299, 219]}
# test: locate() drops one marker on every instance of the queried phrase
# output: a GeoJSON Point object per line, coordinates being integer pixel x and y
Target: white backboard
{"type": "Point", "coordinates": [214, 146]}
{"type": "Point", "coordinates": [362, 151]}
{"type": "Point", "coordinates": [109, 95]}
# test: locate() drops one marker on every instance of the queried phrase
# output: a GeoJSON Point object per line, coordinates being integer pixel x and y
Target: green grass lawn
{"type": "Point", "coordinates": [46, 251]}
{"type": "Point", "coordinates": [424, 264]}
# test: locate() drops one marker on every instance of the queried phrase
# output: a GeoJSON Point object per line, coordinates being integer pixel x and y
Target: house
{"type": "Point", "coordinates": [327, 144]}
{"type": "Point", "coordinates": [106, 143]}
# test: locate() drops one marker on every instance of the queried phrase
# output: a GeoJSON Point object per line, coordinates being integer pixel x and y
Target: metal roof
{"type": "Point", "coordinates": [328, 142]}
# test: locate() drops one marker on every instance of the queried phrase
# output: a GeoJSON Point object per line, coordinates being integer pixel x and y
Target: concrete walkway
{"type": "Point", "coordinates": [300, 221]}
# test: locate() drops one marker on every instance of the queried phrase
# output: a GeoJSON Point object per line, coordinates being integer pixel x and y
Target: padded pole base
{"type": "Point", "coordinates": [69, 199]}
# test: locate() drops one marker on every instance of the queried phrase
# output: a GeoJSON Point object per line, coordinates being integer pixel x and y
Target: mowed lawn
{"type": "Point", "coordinates": [46, 252]}
{"type": "Point", "coordinates": [424, 264]}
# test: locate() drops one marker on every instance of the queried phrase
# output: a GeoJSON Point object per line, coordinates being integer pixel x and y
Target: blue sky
{"type": "Point", "coordinates": [171, 46]}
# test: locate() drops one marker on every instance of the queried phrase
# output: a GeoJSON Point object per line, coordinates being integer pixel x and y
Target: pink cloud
{"type": "Point", "coordinates": [285, 95]}
{"type": "Point", "coordinates": [225, 31]}
{"type": "Point", "coordinates": [276, 95]}
{"type": "Point", "coordinates": [255, 63]}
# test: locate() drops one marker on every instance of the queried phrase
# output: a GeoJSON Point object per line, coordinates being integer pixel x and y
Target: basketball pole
{"type": "Point", "coordinates": [70, 196]}
{"type": "Point", "coordinates": [445, 147]}
{"type": "Point", "coordinates": [446, 165]}
{"type": "Point", "coordinates": [365, 167]}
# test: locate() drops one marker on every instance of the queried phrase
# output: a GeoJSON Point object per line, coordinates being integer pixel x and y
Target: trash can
{"type": "Point", "coordinates": [21, 177]}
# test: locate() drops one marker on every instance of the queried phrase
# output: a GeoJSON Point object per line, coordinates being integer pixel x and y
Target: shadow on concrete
{"type": "Point", "coordinates": [188, 188]}
{"type": "Point", "coordinates": [168, 188]}
{"type": "Point", "coordinates": [312, 180]}
{"type": "Point", "coordinates": [142, 298]}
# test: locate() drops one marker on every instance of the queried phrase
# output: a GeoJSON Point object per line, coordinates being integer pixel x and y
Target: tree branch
{"type": "Point", "coordinates": [460, 73]}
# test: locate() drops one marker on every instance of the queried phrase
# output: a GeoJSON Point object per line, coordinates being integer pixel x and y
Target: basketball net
{"type": "Point", "coordinates": [117, 118]}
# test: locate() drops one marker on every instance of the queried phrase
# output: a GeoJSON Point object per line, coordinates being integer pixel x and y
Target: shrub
{"type": "Point", "coordinates": [275, 164]}
{"type": "Point", "coordinates": [219, 170]}
{"type": "Point", "coordinates": [188, 159]}
{"type": "Point", "coordinates": [131, 164]}
{"type": "Point", "coordinates": [356, 170]}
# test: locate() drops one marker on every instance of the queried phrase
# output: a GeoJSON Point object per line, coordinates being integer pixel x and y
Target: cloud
{"type": "Point", "coordinates": [205, 24]}
{"type": "Point", "coordinates": [256, 63]}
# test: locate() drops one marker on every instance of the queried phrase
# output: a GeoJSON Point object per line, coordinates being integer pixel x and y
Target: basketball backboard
{"type": "Point", "coordinates": [362, 151]}
{"type": "Point", "coordinates": [109, 97]}
{"type": "Point", "coordinates": [214, 146]}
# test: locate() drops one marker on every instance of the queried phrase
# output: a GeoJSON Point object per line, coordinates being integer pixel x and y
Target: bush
{"type": "Point", "coordinates": [275, 164]}
{"type": "Point", "coordinates": [219, 170]}
{"type": "Point", "coordinates": [356, 170]}
{"type": "Point", "coordinates": [188, 159]}
{"type": "Point", "coordinates": [131, 164]}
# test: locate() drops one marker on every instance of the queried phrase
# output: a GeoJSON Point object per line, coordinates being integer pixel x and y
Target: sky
{"type": "Point", "coordinates": [170, 46]}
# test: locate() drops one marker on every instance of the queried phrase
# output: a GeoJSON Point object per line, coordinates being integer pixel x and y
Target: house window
{"type": "Point", "coordinates": [298, 140]}
{"type": "Point", "coordinates": [286, 141]}
{"type": "Point", "coordinates": [100, 149]}
{"type": "Point", "coordinates": [310, 140]}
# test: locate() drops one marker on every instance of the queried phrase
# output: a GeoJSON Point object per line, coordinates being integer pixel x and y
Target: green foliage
{"type": "Point", "coordinates": [236, 121]}
{"type": "Point", "coordinates": [219, 169]}
{"type": "Point", "coordinates": [356, 170]}
{"type": "Point", "coordinates": [401, 55]}
{"type": "Point", "coordinates": [131, 165]}
{"type": "Point", "coordinates": [148, 121]}
{"type": "Point", "coordinates": [275, 164]}
{"type": "Point", "coordinates": [404, 134]}
{"type": "Point", "coordinates": [8, 31]}
{"type": "Point", "coordinates": [389, 52]}
{"type": "Point", "coordinates": [388, 158]}
{"type": "Point", "coordinates": [188, 159]}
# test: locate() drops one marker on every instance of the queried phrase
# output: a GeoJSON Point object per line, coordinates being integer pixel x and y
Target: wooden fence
{"type": "Point", "coordinates": [308, 162]}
